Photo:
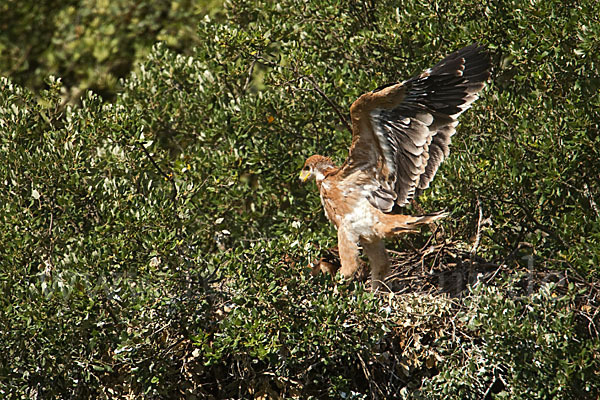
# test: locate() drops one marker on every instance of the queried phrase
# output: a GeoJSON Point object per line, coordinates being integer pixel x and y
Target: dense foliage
{"type": "Point", "coordinates": [90, 44]}
{"type": "Point", "coordinates": [155, 245]}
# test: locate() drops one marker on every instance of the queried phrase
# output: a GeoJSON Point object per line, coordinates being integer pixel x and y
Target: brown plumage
{"type": "Point", "coordinates": [400, 135]}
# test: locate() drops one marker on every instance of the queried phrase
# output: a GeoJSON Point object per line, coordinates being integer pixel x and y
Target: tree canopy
{"type": "Point", "coordinates": [155, 236]}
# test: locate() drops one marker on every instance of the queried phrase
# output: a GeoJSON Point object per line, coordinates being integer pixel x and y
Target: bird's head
{"type": "Point", "coordinates": [316, 167]}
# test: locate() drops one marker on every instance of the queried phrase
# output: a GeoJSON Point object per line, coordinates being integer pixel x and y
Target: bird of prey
{"type": "Point", "coordinates": [400, 136]}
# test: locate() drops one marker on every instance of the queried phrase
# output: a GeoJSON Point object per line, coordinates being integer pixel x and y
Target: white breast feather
{"type": "Point", "coordinates": [319, 176]}
{"type": "Point", "coordinates": [361, 220]}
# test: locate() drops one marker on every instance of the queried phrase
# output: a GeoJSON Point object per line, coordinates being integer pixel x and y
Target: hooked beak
{"type": "Point", "coordinates": [304, 175]}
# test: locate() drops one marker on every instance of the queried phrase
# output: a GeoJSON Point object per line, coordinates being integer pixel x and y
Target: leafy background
{"type": "Point", "coordinates": [154, 235]}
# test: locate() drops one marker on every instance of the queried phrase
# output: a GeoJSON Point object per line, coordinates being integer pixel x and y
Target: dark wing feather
{"type": "Point", "coordinates": [402, 131]}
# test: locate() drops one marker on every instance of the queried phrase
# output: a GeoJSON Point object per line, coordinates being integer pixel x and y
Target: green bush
{"type": "Point", "coordinates": [90, 44]}
{"type": "Point", "coordinates": [527, 348]}
{"type": "Point", "coordinates": [156, 245]}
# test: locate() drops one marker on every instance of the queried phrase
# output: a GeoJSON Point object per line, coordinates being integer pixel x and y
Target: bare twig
{"type": "Point", "coordinates": [249, 77]}
{"type": "Point", "coordinates": [328, 100]}
{"type": "Point", "coordinates": [478, 235]}
{"type": "Point", "coordinates": [368, 375]}
{"type": "Point", "coordinates": [167, 177]}
{"type": "Point", "coordinates": [433, 235]}
{"type": "Point", "coordinates": [283, 378]}
{"type": "Point", "coordinates": [487, 392]}
{"type": "Point", "coordinates": [315, 86]}
{"type": "Point", "coordinates": [51, 223]}
{"type": "Point", "coordinates": [588, 194]}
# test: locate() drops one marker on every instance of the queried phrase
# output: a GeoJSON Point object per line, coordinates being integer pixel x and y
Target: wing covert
{"type": "Point", "coordinates": [402, 132]}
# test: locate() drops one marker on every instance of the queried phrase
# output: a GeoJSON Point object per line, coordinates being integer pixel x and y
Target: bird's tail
{"type": "Point", "coordinates": [394, 224]}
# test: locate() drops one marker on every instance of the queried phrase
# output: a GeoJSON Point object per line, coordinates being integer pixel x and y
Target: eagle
{"type": "Point", "coordinates": [401, 133]}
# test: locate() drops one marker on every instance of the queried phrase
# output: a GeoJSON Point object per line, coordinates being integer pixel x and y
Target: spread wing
{"type": "Point", "coordinates": [401, 132]}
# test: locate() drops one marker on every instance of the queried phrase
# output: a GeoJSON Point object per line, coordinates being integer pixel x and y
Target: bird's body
{"type": "Point", "coordinates": [401, 134]}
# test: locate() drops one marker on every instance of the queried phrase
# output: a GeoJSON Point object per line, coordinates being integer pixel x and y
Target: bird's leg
{"type": "Point", "coordinates": [348, 248]}
{"type": "Point", "coordinates": [378, 258]}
